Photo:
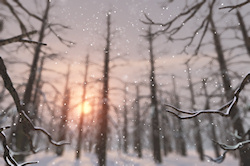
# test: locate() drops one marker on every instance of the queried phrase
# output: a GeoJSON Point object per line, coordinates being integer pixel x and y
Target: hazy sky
{"type": "Point", "coordinates": [87, 20]}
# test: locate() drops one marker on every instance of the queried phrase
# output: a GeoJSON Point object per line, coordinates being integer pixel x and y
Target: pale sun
{"type": "Point", "coordinates": [86, 108]}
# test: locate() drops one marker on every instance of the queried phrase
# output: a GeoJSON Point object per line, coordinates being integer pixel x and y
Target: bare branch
{"type": "Point", "coordinates": [19, 38]}
{"type": "Point", "coordinates": [27, 11]}
{"type": "Point", "coordinates": [10, 161]}
{"type": "Point", "coordinates": [228, 106]}
{"type": "Point", "coordinates": [233, 147]}
{"type": "Point", "coordinates": [235, 6]}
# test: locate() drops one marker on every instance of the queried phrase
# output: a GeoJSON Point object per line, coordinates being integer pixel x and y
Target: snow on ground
{"type": "Point", "coordinates": [119, 159]}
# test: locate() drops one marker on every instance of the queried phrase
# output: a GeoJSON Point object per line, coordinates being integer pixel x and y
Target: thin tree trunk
{"type": "Point", "coordinates": [154, 102]}
{"type": "Point", "coordinates": [64, 115]}
{"type": "Point", "coordinates": [137, 125]}
{"type": "Point", "coordinates": [165, 125]}
{"type": "Point", "coordinates": [125, 123]}
{"type": "Point", "coordinates": [197, 131]}
{"type": "Point", "coordinates": [80, 126]}
{"type": "Point", "coordinates": [103, 115]}
{"type": "Point", "coordinates": [180, 143]}
{"type": "Point", "coordinates": [211, 121]}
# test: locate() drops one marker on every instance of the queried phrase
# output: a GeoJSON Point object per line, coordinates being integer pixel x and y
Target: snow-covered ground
{"type": "Point", "coordinates": [119, 159]}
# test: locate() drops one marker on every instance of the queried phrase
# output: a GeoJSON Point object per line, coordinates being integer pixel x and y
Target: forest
{"type": "Point", "coordinates": [124, 83]}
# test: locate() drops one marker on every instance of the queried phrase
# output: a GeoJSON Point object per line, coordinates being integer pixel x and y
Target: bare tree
{"type": "Point", "coordinates": [226, 110]}
{"type": "Point", "coordinates": [154, 103]}
{"type": "Point", "coordinates": [137, 124]}
{"type": "Point", "coordinates": [211, 119]}
{"type": "Point", "coordinates": [207, 25]}
{"type": "Point", "coordinates": [165, 125]}
{"type": "Point", "coordinates": [63, 126]}
{"type": "Point", "coordinates": [197, 130]}
{"type": "Point", "coordinates": [103, 114]}
{"type": "Point", "coordinates": [125, 122]}
{"type": "Point", "coordinates": [80, 126]}
{"type": "Point", "coordinates": [180, 143]}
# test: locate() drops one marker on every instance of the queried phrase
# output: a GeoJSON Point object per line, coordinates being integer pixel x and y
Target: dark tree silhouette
{"type": "Point", "coordinates": [197, 130]}
{"type": "Point", "coordinates": [154, 103]}
{"type": "Point", "coordinates": [80, 126]}
{"type": "Point", "coordinates": [63, 126]}
{"type": "Point", "coordinates": [180, 143]}
{"type": "Point", "coordinates": [137, 124]}
{"type": "Point", "coordinates": [103, 114]}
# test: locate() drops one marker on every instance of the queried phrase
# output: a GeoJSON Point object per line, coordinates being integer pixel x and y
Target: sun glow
{"type": "Point", "coordinates": [86, 108]}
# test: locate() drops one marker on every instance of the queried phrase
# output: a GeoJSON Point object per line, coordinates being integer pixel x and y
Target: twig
{"type": "Point", "coordinates": [19, 38]}
{"type": "Point", "coordinates": [235, 6]}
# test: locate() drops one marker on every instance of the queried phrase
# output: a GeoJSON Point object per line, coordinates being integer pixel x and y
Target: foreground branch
{"type": "Point", "coordinates": [25, 120]}
{"type": "Point", "coordinates": [8, 158]}
{"type": "Point", "coordinates": [219, 159]}
{"type": "Point", "coordinates": [228, 106]}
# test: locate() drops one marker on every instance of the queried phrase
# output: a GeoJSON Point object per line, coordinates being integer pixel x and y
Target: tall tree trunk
{"type": "Point", "coordinates": [21, 139]}
{"type": "Point", "coordinates": [180, 143]}
{"type": "Point", "coordinates": [211, 121]}
{"type": "Point", "coordinates": [80, 126]}
{"type": "Point", "coordinates": [137, 125]}
{"type": "Point", "coordinates": [38, 86]}
{"type": "Point", "coordinates": [103, 115]}
{"type": "Point", "coordinates": [244, 32]}
{"type": "Point", "coordinates": [125, 123]}
{"type": "Point", "coordinates": [234, 114]}
{"type": "Point", "coordinates": [165, 125]}
{"type": "Point", "coordinates": [154, 102]}
{"type": "Point", "coordinates": [197, 131]}
{"type": "Point", "coordinates": [64, 115]}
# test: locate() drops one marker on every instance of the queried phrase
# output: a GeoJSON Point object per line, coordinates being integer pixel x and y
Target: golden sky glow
{"type": "Point", "coordinates": [85, 109]}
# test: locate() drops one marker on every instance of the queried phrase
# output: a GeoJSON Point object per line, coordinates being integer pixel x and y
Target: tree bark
{"type": "Point", "coordinates": [154, 102]}
{"type": "Point", "coordinates": [137, 125]}
{"type": "Point", "coordinates": [103, 114]}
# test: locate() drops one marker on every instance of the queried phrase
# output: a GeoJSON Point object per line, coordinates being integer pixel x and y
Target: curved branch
{"type": "Point", "coordinates": [228, 106]}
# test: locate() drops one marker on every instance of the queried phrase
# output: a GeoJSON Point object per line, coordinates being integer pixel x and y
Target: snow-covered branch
{"type": "Point", "coordinates": [182, 114]}
{"type": "Point", "coordinates": [25, 120]}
